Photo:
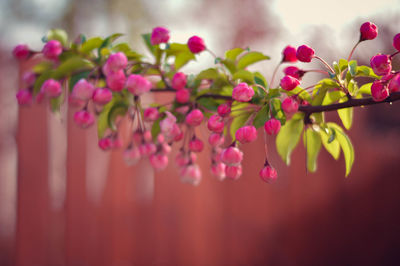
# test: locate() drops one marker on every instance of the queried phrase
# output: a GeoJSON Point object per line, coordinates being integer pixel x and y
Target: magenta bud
{"type": "Point", "coordinates": [196, 145]}
{"type": "Point", "coordinates": [294, 72]}
{"type": "Point", "coordinates": [289, 54]}
{"type": "Point", "coordinates": [116, 80]}
{"type": "Point", "coordinates": [305, 53]}
{"type": "Point", "coordinates": [52, 49]}
{"type": "Point", "coordinates": [191, 174]}
{"type": "Point", "coordinates": [84, 119]}
{"type": "Point", "coordinates": [150, 114]}
{"type": "Point", "coordinates": [242, 92]}
{"type": "Point", "coordinates": [194, 118]}
{"type": "Point", "coordinates": [29, 78]}
{"type": "Point", "coordinates": [290, 106]}
{"type": "Point", "coordinates": [288, 83]}
{"type": "Point", "coordinates": [158, 161]}
{"type": "Point", "coordinates": [24, 97]}
{"type": "Point", "coordinates": [272, 126]}
{"type": "Point", "coordinates": [52, 88]}
{"type": "Point", "coordinates": [246, 134]}
{"type": "Point", "coordinates": [179, 81]}
{"type": "Point", "coordinates": [379, 91]}
{"type": "Point", "coordinates": [102, 96]}
{"type": "Point", "coordinates": [268, 174]}
{"type": "Point", "coordinates": [224, 109]}
{"type": "Point", "coordinates": [116, 62]}
{"type": "Point", "coordinates": [105, 143]}
{"type": "Point", "coordinates": [381, 64]}
{"type": "Point", "coordinates": [231, 156]}
{"type": "Point", "coordinates": [137, 84]}
{"type": "Point", "coordinates": [233, 171]}
{"type": "Point", "coordinates": [218, 170]}
{"type": "Point", "coordinates": [83, 90]}
{"type": "Point", "coordinates": [182, 95]}
{"type": "Point", "coordinates": [21, 52]}
{"type": "Point", "coordinates": [394, 84]}
{"type": "Point", "coordinates": [216, 139]}
{"type": "Point", "coordinates": [368, 31]}
{"type": "Point", "coordinates": [159, 35]}
{"type": "Point", "coordinates": [396, 42]}
{"type": "Point", "coordinates": [196, 44]}
{"type": "Point", "coordinates": [215, 123]}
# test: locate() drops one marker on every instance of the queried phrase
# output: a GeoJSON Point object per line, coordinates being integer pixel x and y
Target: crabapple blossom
{"type": "Point", "coordinates": [194, 118]}
{"type": "Point", "coordinates": [52, 49]}
{"type": "Point", "coordinates": [268, 174]}
{"type": "Point", "coordinates": [178, 81]}
{"type": "Point", "coordinates": [102, 96]}
{"type": "Point", "coordinates": [242, 92]}
{"type": "Point", "coordinates": [246, 134]}
{"type": "Point", "coordinates": [368, 31]}
{"type": "Point", "coordinates": [196, 44]}
{"type": "Point", "coordinates": [159, 35]}
{"type": "Point", "coordinates": [381, 64]}
{"type": "Point", "coordinates": [272, 126]}
{"type": "Point", "coordinates": [305, 53]}
{"type": "Point", "coordinates": [83, 90]}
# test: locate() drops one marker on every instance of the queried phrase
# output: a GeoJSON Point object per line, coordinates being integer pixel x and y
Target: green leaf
{"type": "Point", "coordinates": [299, 91]}
{"type": "Point", "coordinates": [276, 110]}
{"type": "Point", "coordinates": [331, 144]}
{"type": "Point", "coordinates": [233, 53]}
{"type": "Point", "coordinates": [345, 144]}
{"type": "Point", "coordinates": [261, 117]}
{"type": "Point", "coordinates": [260, 80]}
{"type": "Point", "coordinates": [75, 78]}
{"type": "Point", "coordinates": [238, 122]}
{"type": "Point", "coordinates": [343, 64]}
{"type": "Point", "coordinates": [41, 79]}
{"type": "Point", "coordinates": [346, 115]}
{"type": "Point", "coordinates": [321, 89]}
{"type": "Point", "coordinates": [210, 73]}
{"type": "Point", "coordinates": [109, 112]}
{"type": "Point", "coordinates": [59, 35]}
{"type": "Point", "coordinates": [332, 97]}
{"type": "Point", "coordinates": [289, 136]}
{"type": "Point", "coordinates": [365, 89]}
{"type": "Point", "coordinates": [365, 71]}
{"type": "Point", "coordinates": [336, 67]}
{"type": "Point", "coordinates": [42, 67]}
{"type": "Point", "coordinates": [110, 39]}
{"type": "Point", "coordinates": [71, 65]}
{"type": "Point", "coordinates": [353, 67]}
{"type": "Point", "coordinates": [155, 128]}
{"type": "Point", "coordinates": [251, 58]}
{"type": "Point", "coordinates": [208, 103]}
{"type": "Point", "coordinates": [118, 109]}
{"type": "Point", "coordinates": [312, 141]}
{"type": "Point", "coordinates": [182, 59]}
{"type": "Point", "coordinates": [230, 65]}
{"type": "Point", "coordinates": [244, 75]}
{"type": "Point", "coordinates": [91, 44]}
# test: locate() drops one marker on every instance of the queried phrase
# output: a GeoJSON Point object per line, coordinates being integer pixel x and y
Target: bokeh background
{"type": "Point", "coordinates": [65, 202]}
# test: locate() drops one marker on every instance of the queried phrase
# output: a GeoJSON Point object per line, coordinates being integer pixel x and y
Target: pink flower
{"type": "Point", "coordinates": [196, 44]}
{"type": "Point", "coordinates": [150, 114]}
{"type": "Point", "coordinates": [381, 64]}
{"type": "Point", "coordinates": [394, 84]}
{"type": "Point", "coordinates": [179, 81]}
{"type": "Point", "coordinates": [183, 158]}
{"type": "Point", "coordinates": [105, 143]}
{"type": "Point", "coordinates": [379, 91]}
{"type": "Point", "coordinates": [289, 54]}
{"type": "Point", "coordinates": [216, 139]}
{"type": "Point", "coordinates": [304, 53]}
{"type": "Point", "coordinates": [102, 96]}
{"type": "Point", "coordinates": [52, 49]}
{"type": "Point", "coordinates": [84, 119]}
{"type": "Point", "coordinates": [272, 126]}
{"type": "Point", "coordinates": [191, 174]}
{"type": "Point", "coordinates": [182, 95]}
{"type": "Point", "coordinates": [288, 83]}
{"type": "Point", "coordinates": [231, 156]}
{"type": "Point", "coordinates": [224, 109]}
{"type": "Point", "coordinates": [396, 41]}
{"type": "Point", "coordinates": [146, 149]}
{"type": "Point", "coordinates": [52, 88]}
{"type": "Point", "coordinates": [268, 174]}
{"type": "Point", "coordinates": [218, 170]}
{"type": "Point", "coordinates": [159, 35]}
{"type": "Point", "coordinates": [83, 90]}
{"type": "Point", "coordinates": [233, 172]}
{"type": "Point", "coordinates": [137, 84]}
{"type": "Point", "coordinates": [24, 97]}
{"type": "Point", "coordinates": [29, 78]}
{"type": "Point", "coordinates": [242, 92]}
{"type": "Point", "coordinates": [196, 145]}
{"type": "Point", "coordinates": [116, 62]}
{"type": "Point", "coordinates": [158, 161]}
{"type": "Point", "coordinates": [246, 134]}
{"type": "Point", "coordinates": [194, 118]}
{"type": "Point", "coordinates": [290, 106]}
{"type": "Point", "coordinates": [368, 31]}
{"type": "Point", "coordinates": [21, 52]}
{"type": "Point", "coordinates": [294, 72]}
{"type": "Point", "coordinates": [167, 123]}
{"type": "Point", "coordinates": [116, 80]}
{"type": "Point", "coordinates": [131, 155]}
{"type": "Point", "coordinates": [215, 123]}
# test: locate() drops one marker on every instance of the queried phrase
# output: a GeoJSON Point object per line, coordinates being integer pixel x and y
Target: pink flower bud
{"type": "Point", "coordinates": [116, 80]}
{"type": "Point", "coordinates": [150, 114]}
{"type": "Point", "coordinates": [396, 41]}
{"type": "Point", "coordinates": [242, 92]}
{"type": "Point", "coordinates": [24, 97]}
{"type": "Point", "coordinates": [137, 84]}
{"type": "Point", "coordinates": [146, 149]}
{"type": "Point", "coordinates": [183, 158]}
{"type": "Point", "coordinates": [196, 145]}
{"type": "Point", "coordinates": [191, 174]}
{"type": "Point", "coordinates": [379, 91]}
{"type": "Point", "coordinates": [294, 72]}
{"type": "Point", "coordinates": [290, 106]}
{"type": "Point", "coordinates": [305, 53]}
{"type": "Point", "coordinates": [177, 133]}
{"type": "Point", "coordinates": [233, 172]}
{"type": "Point", "coordinates": [224, 109]}
{"type": "Point", "coordinates": [117, 61]}
{"type": "Point", "coordinates": [268, 174]}
{"type": "Point", "coordinates": [52, 49]}
{"type": "Point", "coordinates": [272, 126]}
{"type": "Point", "coordinates": [158, 161]}
{"type": "Point", "coordinates": [218, 170]}
{"type": "Point", "coordinates": [29, 78]}
{"type": "Point", "coordinates": [216, 155]}
{"type": "Point", "coordinates": [166, 125]}
{"type": "Point", "coordinates": [182, 96]}
{"type": "Point", "coordinates": [83, 90]}
{"type": "Point", "coordinates": [102, 96]}
{"type": "Point", "coordinates": [131, 155]}
{"type": "Point", "coordinates": [21, 52]}
{"type": "Point", "coordinates": [196, 44]}
{"type": "Point", "coordinates": [394, 84]}
{"type": "Point", "coordinates": [381, 64]}
{"type": "Point", "coordinates": [52, 88]}
{"type": "Point", "coordinates": [179, 81]}
{"type": "Point", "coordinates": [289, 54]}
{"type": "Point", "coordinates": [105, 143]}
{"type": "Point", "coordinates": [147, 136]}
{"type": "Point", "coordinates": [194, 118]}
{"type": "Point", "coordinates": [107, 70]}
{"type": "Point", "coordinates": [216, 139]}
{"type": "Point", "coordinates": [215, 123]}
{"type": "Point", "coordinates": [84, 119]}
{"type": "Point", "coordinates": [288, 83]}
{"type": "Point", "coordinates": [368, 31]}
{"type": "Point", "coordinates": [246, 134]}
{"type": "Point", "coordinates": [231, 156]}
{"type": "Point", "coordinates": [159, 35]}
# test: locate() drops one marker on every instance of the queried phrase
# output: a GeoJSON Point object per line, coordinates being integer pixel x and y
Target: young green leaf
{"type": "Point", "coordinates": [261, 117]}
{"type": "Point", "coordinates": [251, 58]}
{"type": "Point", "coordinates": [312, 142]}
{"type": "Point", "coordinates": [233, 53]}
{"type": "Point", "coordinates": [73, 64]}
{"type": "Point", "coordinates": [91, 44]}
{"type": "Point", "coordinates": [244, 75]}
{"type": "Point", "coordinates": [238, 122]}
{"type": "Point", "coordinates": [59, 35]}
{"type": "Point", "coordinates": [332, 146]}
{"type": "Point", "coordinates": [289, 136]}
{"type": "Point", "coordinates": [346, 115]}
